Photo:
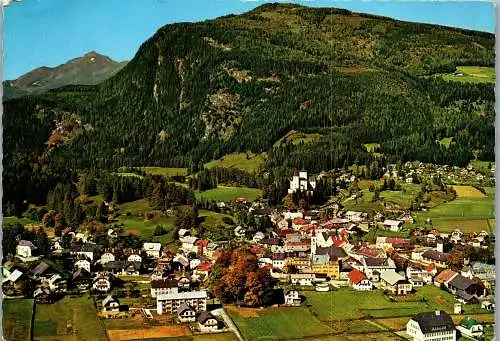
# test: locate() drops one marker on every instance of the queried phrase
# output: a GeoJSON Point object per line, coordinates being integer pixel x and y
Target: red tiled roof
{"type": "Point", "coordinates": [299, 221]}
{"type": "Point", "coordinates": [309, 227]}
{"type": "Point", "coordinates": [286, 232]}
{"type": "Point", "coordinates": [444, 276]}
{"type": "Point", "coordinates": [204, 267]}
{"type": "Point", "coordinates": [395, 240]}
{"type": "Point", "coordinates": [201, 242]}
{"type": "Point", "coordinates": [430, 267]}
{"type": "Point", "coordinates": [356, 276]}
{"type": "Point", "coordinates": [297, 243]}
{"type": "Point", "coordinates": [371, 252]}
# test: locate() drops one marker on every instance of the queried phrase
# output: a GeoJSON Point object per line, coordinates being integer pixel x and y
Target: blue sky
{"type": "Point", "coordinates": [50, 32]}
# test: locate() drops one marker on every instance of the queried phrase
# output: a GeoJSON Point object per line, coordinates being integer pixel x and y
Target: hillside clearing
{"type": "Point", "coordinates": [165, 171]}
{"type": "Point", "coordinates": [226, 194]}
{"type": "Point", "coordinates": [248, 162]}
{"type": "Point", "coordinates": [471, 214]}
{"type": "Point", "coordinates": [297, 137]}
{"type": "Point", "coordinates": [472, 74]}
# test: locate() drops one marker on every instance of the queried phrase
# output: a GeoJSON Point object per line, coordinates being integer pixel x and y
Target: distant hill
{"type": "Point", "coordinates": [90, 69]}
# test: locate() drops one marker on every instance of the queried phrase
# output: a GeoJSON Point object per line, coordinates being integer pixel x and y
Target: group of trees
{"type": "Point", "coordinates": [209, 178]}
{"type": "Point", "coordinates": [237, 278]}
{"type": "Point", "coordinates": [13, 232]}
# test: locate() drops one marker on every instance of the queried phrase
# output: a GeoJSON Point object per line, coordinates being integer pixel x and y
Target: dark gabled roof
{"type": "Point", "coordinates": [333, 251]}
{"type": "Point", "coordinates": [204, 317]}
{"type": "Point", "coordinates": [163, 283]}
{"type": "Point", "coordinates": [431, 322]}
{"type": "Point", "coordinates": [271, 241]}
{"type": "Point", "coordinates": [345, 267]}
{"type": "Point", "coordinates": [81, 273]}
{"type": "Point", "coordinates": [109, 299]}
{"type": "Point", "coordinates": [87, 247]}
{"type": "Point", "coordinates": [465, 295]}
{"type": "Point", "coordinates": [123, 264]}
{"type": "Point", "coordinates": [183, 307]}
{"type": "Point", "coordinates": [40, 269]}
{"type": "Point", "coordinates": [278, 256]}
{"type": "Point", "coordinates": [261, 211]}
{"type": "Point", "coordinates": [460, 282]}
{"type": "Point", "coordinates": [27, 243]}
{"type": "Point", "coordinates": [436, 255]}
{"type": "Point", "coordinates": [371, 261]}
{"type": "Point", "coordinates": [287, 291]}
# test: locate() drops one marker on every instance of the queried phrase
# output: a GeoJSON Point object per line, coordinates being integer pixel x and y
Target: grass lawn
{"type": "Point", "coordinates": [481, 166]}
{"type": "Point", "coordinates": [229, 193]}
{"type": "Point", "coordinates": [146, 228]}
{"type": "Point", "coordinates": [468, 192]}
{"type": "Point", "coordinates": [346, 303]}
{"type": "Point", "coordinates": [137, 223]}
{"type": "Point", "coordinates": [202, 337]}
{"type": "Point", "coordinates": [467, 213]}
{"type": "Point", "coordinates": [382, 336]}
{"type": "Point", "coordinates": [16, 319]}
{"type": "Point", "coordinates": [133, 175]}
{"type": "Point", "coordinates": [211, 218]}
{"type": "Point", "coordinates": [51, 320]}
{"type": "Point", "coordinates": [165, 171]}
{"type": "Point", "coordinates": [374, 233]}
{"type": "Point", "coordinates": [239, 160]}
{"type": "Point", "coordinates": [296, 137]}
{"type": "Point", "coordinates": [472, 74]}
{"type": "Point", "coordinates": [135, 207]}
{"type": "Point", "coordinates": [402, 197]}
{"type": "Point", "coordinates": [278, 323]}
{"type": "Point", "coordinates": [22, 220]}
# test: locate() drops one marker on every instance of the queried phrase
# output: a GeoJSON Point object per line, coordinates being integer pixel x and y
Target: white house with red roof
{"type": "Point", "coordinates": [358, 280]}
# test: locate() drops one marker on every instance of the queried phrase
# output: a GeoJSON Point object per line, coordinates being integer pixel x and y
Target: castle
{"type": "Point", "coordinates": [301, 182]}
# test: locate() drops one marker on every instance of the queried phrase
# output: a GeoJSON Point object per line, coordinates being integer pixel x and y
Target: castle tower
{"type": "Point", "coordinates": [313, 242]}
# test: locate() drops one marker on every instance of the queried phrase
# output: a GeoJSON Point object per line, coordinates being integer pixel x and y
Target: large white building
{"type": "Point", "coordinates": [300, 182]}
{"type": "Point", "coordinates": [435, 326]}
{"type": "Point", "coordinates": [168, 303]}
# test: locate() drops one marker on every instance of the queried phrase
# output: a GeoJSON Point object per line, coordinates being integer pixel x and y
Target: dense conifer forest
{"type": "Point", "coordinates": [197, 91]}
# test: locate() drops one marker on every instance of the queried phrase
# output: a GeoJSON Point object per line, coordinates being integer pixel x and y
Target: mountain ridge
{"type": "Point", "coordinates": [89, 69]}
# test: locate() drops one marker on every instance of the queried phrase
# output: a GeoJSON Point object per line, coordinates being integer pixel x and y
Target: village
{"type": "Point", "coordinates": [305, 251]}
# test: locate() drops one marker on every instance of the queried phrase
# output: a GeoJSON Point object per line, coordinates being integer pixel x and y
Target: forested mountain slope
{"type": "Point", "coordinates": [196, 91]}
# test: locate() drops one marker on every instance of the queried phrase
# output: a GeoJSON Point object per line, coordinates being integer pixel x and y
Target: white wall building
{"type": "Point", "coordinates": [300, 182]}
{"type": "Point", "coordinates": [431, 326]}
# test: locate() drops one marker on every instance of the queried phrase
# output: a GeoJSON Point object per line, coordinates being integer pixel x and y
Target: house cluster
{"type": "Point", "coordinates": [84, 266]}
{"type": "Point", "coordinates": [305, 249]}
{"type": "Point", "coordinates": [87, 266]}
{"type": "Point", "coordinates": [408, 171]}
